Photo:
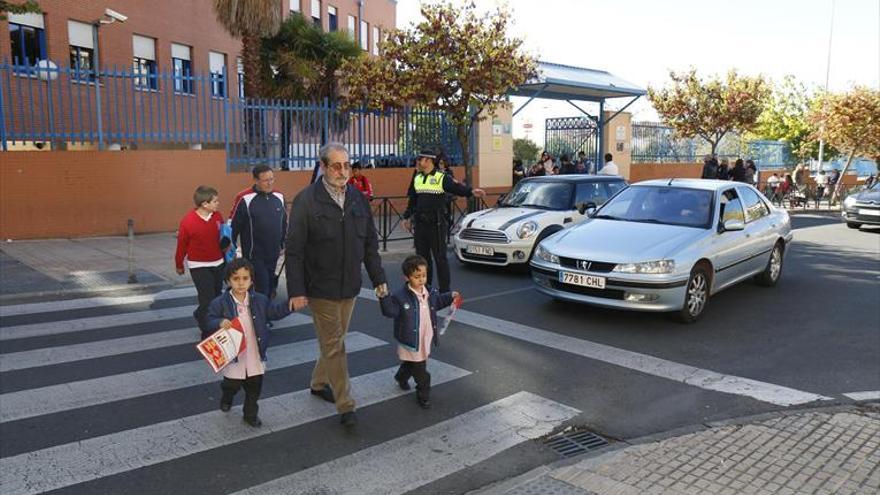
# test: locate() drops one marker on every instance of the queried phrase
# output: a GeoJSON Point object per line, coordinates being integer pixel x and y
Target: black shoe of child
{"type": "Point", "coordinates": [424, 403]}
{"type": "Point", "coordinates": [255, 421]}
{"type": "Point", "coordinates": [403, 384]}
{"type": "Point", "coordinates": [225, 406]}
{"type": "Point", "coordinates": [325, 393]}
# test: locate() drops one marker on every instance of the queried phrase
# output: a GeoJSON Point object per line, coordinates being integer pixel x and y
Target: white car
{"type": "Point", "coordinates": [534, 209]}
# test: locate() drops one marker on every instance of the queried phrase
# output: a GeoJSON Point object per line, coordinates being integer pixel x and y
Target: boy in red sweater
{"type": "Point", "coordinates": [198, 240]}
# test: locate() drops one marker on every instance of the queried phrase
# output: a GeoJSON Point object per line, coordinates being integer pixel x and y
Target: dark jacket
{"type": "Point", "coordinates": [260, 220]}
{"type": "Point", "coordinates": [326, 245]}
{"type": "Point", "coordinates": [738, 173]}
{"type": "Point", "coordinates": [433, 203]}
{"type": "Point", "coordinates": [710, 170]}
{"type": "Point", "coordinates": [223, 307]}
{"type": "Point", "coordinates": [403, 306]}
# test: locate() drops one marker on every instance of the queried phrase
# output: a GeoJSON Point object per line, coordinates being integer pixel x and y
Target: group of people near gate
{"type": "Point", "coordinates": [329, 235]}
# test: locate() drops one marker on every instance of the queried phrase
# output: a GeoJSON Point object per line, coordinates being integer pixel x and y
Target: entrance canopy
{"type": "Point", "coordinates": [569, 83]}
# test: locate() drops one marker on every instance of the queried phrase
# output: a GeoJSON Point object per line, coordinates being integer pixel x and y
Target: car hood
{"type": "Point", "coordinates": [500, 218]}
{"type": "Point", "coordinates": [617, 241]}
{"type": "Point", "coordinates": [866, 196]}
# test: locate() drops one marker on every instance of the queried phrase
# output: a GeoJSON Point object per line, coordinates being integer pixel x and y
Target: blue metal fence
{"type": "Point", "coordinates": [123, 107]}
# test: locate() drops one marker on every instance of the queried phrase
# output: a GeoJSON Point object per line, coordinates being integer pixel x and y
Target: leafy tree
{"type": "Point", "coordinates": [28, 7]}
{"type": "Point", "coordinates": [525, 150]}
{"type": "Point", "coordinates": [785, 119]}
{"type": "Point", "coordinates": [250, 21]}
{"type": "Point", "coordinates": [850, 122]}
{"type": "Point", "coordinates": [710, 108]}
{"type": "Point", "coordinates": [454, 60]}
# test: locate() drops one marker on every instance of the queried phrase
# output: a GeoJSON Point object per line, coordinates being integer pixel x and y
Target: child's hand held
{"type": "Point", "coordinates": [225, 324]}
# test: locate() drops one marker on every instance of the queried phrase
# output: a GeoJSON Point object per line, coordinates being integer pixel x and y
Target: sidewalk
{"type": "Point", "coordinates": [73, 267]}
{"type": "Point", "coordinates": [834, 450]}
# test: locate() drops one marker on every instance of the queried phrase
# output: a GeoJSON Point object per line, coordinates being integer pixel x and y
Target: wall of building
{"type": "Point", "coordinates": [90, 193]}
{"type": "Point", "coordinates": [645, 171]}
{"type": "Point", "coordinates": [494, 149]}
{"type": "Point", "coordinates": [618, 140]}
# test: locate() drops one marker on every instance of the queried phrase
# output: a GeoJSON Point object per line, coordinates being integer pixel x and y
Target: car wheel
{"type": "Point", "coordinates": [853, 225]}
{"type": "Point", "coordinates": [773, 271]}
{"type": "Point", "coordinates": [696, 295]}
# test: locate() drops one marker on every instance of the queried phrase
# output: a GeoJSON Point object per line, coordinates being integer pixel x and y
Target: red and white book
{"type": "Point", "coordinates": [223, 346]}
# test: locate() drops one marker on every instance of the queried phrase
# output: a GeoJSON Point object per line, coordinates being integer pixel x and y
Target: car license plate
{"type": "Point", "coordinates": [865, 211]}
{"type": "Point", "coordinates": [481, 250]}
{"type": "Point", "coordinates": [582, 280]}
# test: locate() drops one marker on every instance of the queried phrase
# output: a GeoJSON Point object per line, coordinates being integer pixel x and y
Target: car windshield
{"type": "Point", "coordinates": [660, 204]}
{"type": "Point", "coordinates": [540, 194]}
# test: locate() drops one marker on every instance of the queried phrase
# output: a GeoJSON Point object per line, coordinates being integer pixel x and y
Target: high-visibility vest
{"type": "Point", "coordinates": [429, 184]}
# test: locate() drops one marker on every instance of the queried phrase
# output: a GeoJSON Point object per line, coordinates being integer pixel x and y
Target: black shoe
{"type": "Point", "coordinates": [225, 406]}
{"type": "Point", "coordinates": [325, 393]}
{"type": "Point", "coordinates": [255, 421]}
{"type": "Point", "coordinates": [424, 403]}
{"type": "Point", "coordinates": [348, 419]}
{"type": "Point", "coordinates": [403, 384]}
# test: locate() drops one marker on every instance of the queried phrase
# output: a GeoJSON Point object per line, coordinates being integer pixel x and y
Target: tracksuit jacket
{"type": "Point", "coordinates": [260, 220]}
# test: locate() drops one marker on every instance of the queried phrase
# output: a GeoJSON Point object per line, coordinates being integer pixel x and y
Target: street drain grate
{"type": "Point", "coordinates": [574, 443]}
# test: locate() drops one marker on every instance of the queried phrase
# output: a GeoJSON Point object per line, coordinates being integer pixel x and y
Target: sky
{"type": "Point", "coordinates": [641, 40]}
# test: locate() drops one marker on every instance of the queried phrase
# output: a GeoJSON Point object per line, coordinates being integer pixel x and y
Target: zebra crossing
{"type": "Point", "coordinates": [420, 455]}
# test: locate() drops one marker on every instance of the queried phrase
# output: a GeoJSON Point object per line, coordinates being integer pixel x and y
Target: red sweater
{"type": "Point", "coordinates": [198, 240]}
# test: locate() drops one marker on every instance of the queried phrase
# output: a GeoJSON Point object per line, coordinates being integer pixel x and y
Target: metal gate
{"type": "Point", "coordinates": [570, 135]}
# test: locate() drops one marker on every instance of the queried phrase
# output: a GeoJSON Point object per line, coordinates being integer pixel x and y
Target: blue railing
{"type": "Point", "coordinates": [59, 107]}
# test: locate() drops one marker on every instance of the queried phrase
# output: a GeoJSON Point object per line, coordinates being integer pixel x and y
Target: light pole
{"type": "Point", "coordinates": [827, 77]}
{"type": "Point", "coordinates": [110, 16]}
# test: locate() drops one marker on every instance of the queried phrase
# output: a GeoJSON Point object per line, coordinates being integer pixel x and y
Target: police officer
{"type": "Point", "coordinates": [427, 208]}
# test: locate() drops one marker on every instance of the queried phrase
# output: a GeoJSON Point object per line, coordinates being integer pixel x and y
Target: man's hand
{"type": "Point", "coordinates": [298, 303]}
{"type": "Point", "coordinates": [407, 225]}
{"type": "Point", "coordinates": [181, 271]}
{"type": "Point", "coordinates": [479, 193]}
{"type": "Point", "coordinates": [381, 290]}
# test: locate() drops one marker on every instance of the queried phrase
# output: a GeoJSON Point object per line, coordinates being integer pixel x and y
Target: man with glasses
{"type": "Point", "coordinates": [427, 195]}
{"type": "Point", "coordinates": [331, 235]}
{"type": "Point", "coordinates": [260, 220]}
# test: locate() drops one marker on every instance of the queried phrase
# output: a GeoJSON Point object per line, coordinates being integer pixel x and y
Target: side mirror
{"type": "Point", "coordinates": [733, 225]}
{"type": "Point", "coordinates": [588, 208]}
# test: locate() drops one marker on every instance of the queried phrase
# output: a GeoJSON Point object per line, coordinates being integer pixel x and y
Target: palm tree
{"type": "Point", "coordinates": [250, 20]}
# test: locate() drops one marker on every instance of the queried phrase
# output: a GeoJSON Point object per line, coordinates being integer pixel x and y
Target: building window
{"type": "Point", "coordinates": [352, 27]}
{"type": "Point", "coordinates": [27, 38]}
{"type": "Point", "coordinates": [82, 50]}
{"type": "Point", "coordinates": [144, 62]}
{"type": "Point", "coordinates": [217, 63]}
{"type": "Point", "coordinates": [375, 40]}
{"type": "Point", "coordinates": [332, 23]}
{"type": "Point", "coordinates": [181, 61]}
{"type": "Point", "coordinates": [365, 34]}
{"type": "Point", "coordinates": [316, 12]}
{"type": "Point", "coordinates": [240, 71]}
{"type": "Point", "coordinates": [294, 5]}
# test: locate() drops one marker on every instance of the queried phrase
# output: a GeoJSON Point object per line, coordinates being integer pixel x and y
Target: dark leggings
{"type": "Point", "coordinates": [419, 371]}
{"type": "Point", "coordinates": [252, 387]}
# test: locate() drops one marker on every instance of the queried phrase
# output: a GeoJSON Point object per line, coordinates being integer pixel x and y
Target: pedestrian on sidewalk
{"type": "Point", "coordinates": [198, 243]}
{"type": "Point", "coordinates": [254, 311]}
{"type": "Point", "coordinates": [414, 310]}
{"type": "Point", "coordinates": [360, 181]}
{"type": "Point", "coordinates": [821, 183]}
{"type": "Point", "coordinates": [331, 235]}
{"type": "Point", "coordinates": [738, 172]}
{"type": "Point", "coordinates": [259, 218]}
{"type": "Point", "coordinates": [427, 209]}
{"type": "Point", "coordinates": [610, 168]}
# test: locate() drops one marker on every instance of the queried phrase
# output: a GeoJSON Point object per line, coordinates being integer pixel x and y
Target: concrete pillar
{"type": "Point", "coordinates": [618, 140]}
{"type": "Point", "coordinates": [494, 150]}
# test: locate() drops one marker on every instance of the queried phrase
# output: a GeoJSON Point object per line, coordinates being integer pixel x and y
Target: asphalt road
{"type": "Point", "coordinates": [817, 332]}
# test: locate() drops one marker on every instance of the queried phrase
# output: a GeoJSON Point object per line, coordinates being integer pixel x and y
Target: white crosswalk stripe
{"type": "Point", "coordinates": [93, 323]}
{"type": "Point", "coordinates": [73, 395]}
{"type": "Point", "coordinates": [416, 459]}
{"type": "Point", "coordinates": [98, 457]}
{"type": "Point", "coordinates": [114, 347]}
{"type": "Point", "coordinates": [93, 302]}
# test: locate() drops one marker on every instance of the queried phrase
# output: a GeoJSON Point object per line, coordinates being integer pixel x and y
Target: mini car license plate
{"type": "Point", "coordinates": [582, 280]}
{"type": "Point", "coordinates": [481, 250]}
{"type": "Point", "coordinates": [865, 211]}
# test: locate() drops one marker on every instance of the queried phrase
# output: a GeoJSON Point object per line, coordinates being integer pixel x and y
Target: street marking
{"type": "Point", "coordinates": [85, 460]}
{"type": "Point", "coordinates": [860, 396]}
{"type": "Point", "coordinates": [431, 453]}
{"type": "Point", "coordinates": [74, 395]}
{"type": "Point", "coordinates": [690, 375]}
{"type": "Point", "coordinates": [92, 302]}
{"type": "Point", "coordinates": [114, 347]}
{"type": "Point", "coordinates": [93, 323]}
{"type": "Point", "coordinates": [498, 294]}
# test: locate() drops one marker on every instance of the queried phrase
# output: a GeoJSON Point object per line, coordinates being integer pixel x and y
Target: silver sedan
{"type": "Point", "coordinates": [666, 245]}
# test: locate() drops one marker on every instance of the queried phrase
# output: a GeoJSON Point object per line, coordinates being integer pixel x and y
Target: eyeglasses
{"type": "Point", "coordinates": [339, 167]}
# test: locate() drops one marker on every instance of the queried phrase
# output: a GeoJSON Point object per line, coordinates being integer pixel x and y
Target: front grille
{"type": "Point", "coordinates": [588, 291]}
{"type": "Point", "coordinates": [484, 235]}
{"type": "Point", "coordinates": [495, 258]}
{"type": "Point", "coordinates": [595, 266]}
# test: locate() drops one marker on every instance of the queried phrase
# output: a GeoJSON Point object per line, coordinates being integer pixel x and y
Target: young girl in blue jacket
{"type": "Point", "coordinates": [254, 311]}
{"type": "Point", "coordinates": [414, 309]}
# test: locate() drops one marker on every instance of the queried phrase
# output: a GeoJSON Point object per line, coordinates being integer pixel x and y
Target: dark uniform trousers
{"type": "Point", "coordinates": [430, 241]}
{"type": "Point", "coordinates": [252, 387]}
{"type": "Point", "coordinates": [419, 371]}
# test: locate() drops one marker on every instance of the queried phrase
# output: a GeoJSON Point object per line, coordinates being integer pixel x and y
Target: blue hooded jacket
{"type": "Point", "coordinates": [403, 306]}
{"type": "Point", "coordinates": [223, 307]}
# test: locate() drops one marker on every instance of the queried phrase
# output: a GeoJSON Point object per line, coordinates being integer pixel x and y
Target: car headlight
{"type": "Point", "coordinates": [653, 267]}
{"type": "Point", "coordinates": [526, 229]}
{"type": "Point", "coordinates": [545, 255]}
{"type": "Point", "coordinates": [849, 202]}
